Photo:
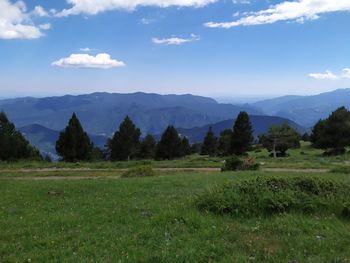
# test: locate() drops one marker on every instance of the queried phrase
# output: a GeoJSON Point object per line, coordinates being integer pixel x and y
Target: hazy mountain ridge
{"type": "Point", "coordinates": [101, 113]}
{"type": "Point", "coordinates": [305, 110]}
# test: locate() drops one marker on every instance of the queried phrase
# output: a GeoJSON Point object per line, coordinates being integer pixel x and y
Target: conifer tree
{"type": "Point", "coordinates": [333, 133]}
{"type": "Point", "coordinates": [125, 143]}
{"type": "Point", "coordinates": [13, 146]}
{"type": "Point", "coordinates": [210, 144]}
{"type": "Point", "coordinates": [170, 145]}
{"type": "Point", "coordinates": [186, 147]}
{"type": "Point", "coordinates": [73, 143]}
{"type": "Point", "coordinates": [242, 137]}
{"type": "Point", "coordinates": [148, 147]}
{"type": "Point", "coordinates": [225, 142]}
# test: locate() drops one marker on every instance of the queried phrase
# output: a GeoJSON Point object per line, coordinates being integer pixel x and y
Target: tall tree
{"type": "Point", "coordinates": [148, 147]}
{"type": "Point", "coordinates": [73, 143]}
{"type": "Point", "coordinates": [224, 146]}
{"type": "Point", "coordinates": [210, 144]}
{"type": "Point", "coordinates": [279, 139]}
{"type": "Point", "coordinates": [186, 147]}
{"type": "Point", "coordinates": [333, 133]}
{"type": "Point", "coordinates": [170, 145]}
{"type": "Point", "coordinates": [125, 143]}
{"type": "Point", "coordinates": [242, 137]}
{"type": "Point", "coordinates": [13, 146]}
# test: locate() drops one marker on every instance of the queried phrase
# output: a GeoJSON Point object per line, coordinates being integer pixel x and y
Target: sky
{"type": "Point", "coordinates": [217, 48]}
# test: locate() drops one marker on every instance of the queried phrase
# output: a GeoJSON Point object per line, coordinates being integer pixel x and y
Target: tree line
{"type": "Point", "coordinates": [331, 134]}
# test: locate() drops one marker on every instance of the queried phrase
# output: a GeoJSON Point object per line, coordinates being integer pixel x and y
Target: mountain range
{"type": "Point", "coordinates": [305, 110]}
{"type": "Point", "coordinates": [41, 119]}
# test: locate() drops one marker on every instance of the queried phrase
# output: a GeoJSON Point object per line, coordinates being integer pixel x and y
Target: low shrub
{"type": "Point", "coordinates": [139, 171]}
{"type": "Point", "coordinates": [346, 210]}
{"type": "Point", "coordinates": [236, 164]}
{"type": "Point", "coordinates": [273, 195]}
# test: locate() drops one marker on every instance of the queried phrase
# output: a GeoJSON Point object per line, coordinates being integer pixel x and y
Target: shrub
{"type": "Point", "coordinates": [140, 171]}
{"type": "Point", "coordinates": [268, 196]}
{"type": "Point", "coordinates": [236, 164]}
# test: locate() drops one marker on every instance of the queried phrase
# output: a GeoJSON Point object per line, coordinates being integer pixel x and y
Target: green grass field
{"type": "Point", "coordinates": [76, 215]}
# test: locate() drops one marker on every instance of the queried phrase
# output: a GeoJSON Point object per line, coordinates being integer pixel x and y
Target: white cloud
{"type": "Point", "coordinates": [345, 74]}
{"type": "Point", "coordinates": [40, 11]}
{"type": "Point", "coordinates": [85, 49]}
{"type": "Point", "coordinates": [93, 7]}
{"type": "Point", "coordinates": [299, 11]}
{"type": "Point", "coordinates": [15, 22]}
{"type": "Point", "coordinates": [327, 75]}
{"type": "Point", "coordinates": [146, 21]}
{"type": "Point", "coordinates": [175, 40]}
{"type": "Point", "coordinates": [46, 26]}
{"type": "Point", "coordinates": [100, 61]}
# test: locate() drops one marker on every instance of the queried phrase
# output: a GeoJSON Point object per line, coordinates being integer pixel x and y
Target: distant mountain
{"type": "Point", "coordinates": [261, 124]}
{"type": "Point", "coordinates": [101, 113]}
{"type": "Point", "coordinates": [45, 139]}
{"type": "Point", "coordinates": [305, 110]}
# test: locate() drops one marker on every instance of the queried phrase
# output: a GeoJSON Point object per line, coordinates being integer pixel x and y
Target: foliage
{"type": "Point", "coordinates": [273, 195]}
{"type": "Point", "coordinates": [73, 143]}
{"type": "Point", "coordinates": [148, 147]}
{"type": "Point", "coordinates": [210, 144]}
{"type": "Point", "coordinates": [139, 171]}
{"type": "Point", "coordinates": [170, 145]}
{"type": "Point", "coordinates": [333, 133]}
{"type": "Point", "coordinates": [13, 146]}
{"type": "Point", "coordinates": [186, 147]}
{"type": "Point", "coordinates": [279, 139]}
{"type": "Point", "coordinates": [242, 136]}
{"type": "Point", "coordinates": [225, 142]}
{"type": "Point", "coordinates": [125, 143]}
{"type": "Point", "coordinates": [234, 163]}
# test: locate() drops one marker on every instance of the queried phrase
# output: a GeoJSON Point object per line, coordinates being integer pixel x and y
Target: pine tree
{"type": "Point", "coordinates": [170, 145]}
{"type": "Point", "coordinates": [333, 133]}
{"type": "Point", "coordinates": [148, 147]}
{"type": "Point", "coordinates": [73, 143]}
{"type": "Point", "coordinates": [125, 143]}
{"type": "Point", "coordinates": [279, 139]}
{"type": "Point", "coordinates": [13, 146]}
{"type": "Point", "coordinates": [210, 144]}
{"type": "Point", "coordinates": [186, 147]}
{"type": "Point", "coordinates": [242, 137]}
{"type": "Point", "coordinates": [225, 142]}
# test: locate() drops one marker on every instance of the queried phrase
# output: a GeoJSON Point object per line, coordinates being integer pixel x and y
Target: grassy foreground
{"type": "Point", "coordinates": [155, 220]}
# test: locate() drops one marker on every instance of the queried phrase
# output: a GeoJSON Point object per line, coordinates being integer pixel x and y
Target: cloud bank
{"type": "Point", "coordinates": [100, 61]}
{"type": "Point", "coordinates": [298, 11]}
{"type": "Point", "coordinates": [93, 7]}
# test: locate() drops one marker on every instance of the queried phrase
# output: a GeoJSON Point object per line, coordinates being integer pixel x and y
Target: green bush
{"type": "Point", "coordinates": [140, 171]}
{"type": "Point", "coordinates": [236, 164]}
{"type": "Point", "coordinates": [268, 196]}
{"type": "Point", "coordinates": [346, 210]}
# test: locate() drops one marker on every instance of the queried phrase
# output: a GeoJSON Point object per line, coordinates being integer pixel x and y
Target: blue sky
{"type": "Point", "coordinates": [208, 47]}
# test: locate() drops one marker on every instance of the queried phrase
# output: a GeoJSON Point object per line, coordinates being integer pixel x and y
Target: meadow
{"type": "Point", "coordinates": [77, 215]}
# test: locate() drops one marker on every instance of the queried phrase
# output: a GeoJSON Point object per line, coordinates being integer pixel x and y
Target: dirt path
{"type": "Point", "coordinates": [87, 177]}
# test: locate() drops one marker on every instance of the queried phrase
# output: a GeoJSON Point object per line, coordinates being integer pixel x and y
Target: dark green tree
{"type": "Point", "coordinates": [170, 145]}
{"type": "Point", "coordinates": [148, 147]}
{"type": "Point", "coordinates": [242, 137]}
{"type": "Point", "coordinates": [125, 143]}
{"type": "Point", "coordinates": [210, 144]}
{"type": "Point", "coordinates": [279, 139]}
{"type": "Point", "coordinates": [225, 142]}
{"type": "Point", "coordinates": [305, 137]}
{"type": "Point", "coordinates": [13, 146]}
{"type": "Point", "coordinates": [333, 133]}
{"type": "Point", "coordinates": [73, 143]}
{"type": "Point", "coordinates": [186, 147]}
